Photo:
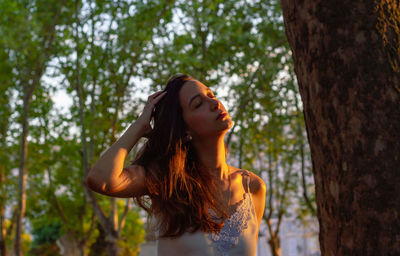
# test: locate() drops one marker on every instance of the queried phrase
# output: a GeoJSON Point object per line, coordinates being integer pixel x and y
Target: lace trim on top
{"type": "Point", "coordinates": [229, 235]}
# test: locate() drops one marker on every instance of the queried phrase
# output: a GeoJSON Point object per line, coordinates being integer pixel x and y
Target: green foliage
{"type": "Point", "coordinates": [132, 235]}
{"type": "Point", "coordinates": [45, 235]}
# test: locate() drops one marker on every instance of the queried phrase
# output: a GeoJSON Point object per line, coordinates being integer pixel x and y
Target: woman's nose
{"type": "Point", "coordinates": [215, 104]}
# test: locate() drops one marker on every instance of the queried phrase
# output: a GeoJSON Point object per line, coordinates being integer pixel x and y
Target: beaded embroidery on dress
{"type": "Point", "coordinates": [229, 235]}
{"type": "Point", "coordinates": [236, 238]}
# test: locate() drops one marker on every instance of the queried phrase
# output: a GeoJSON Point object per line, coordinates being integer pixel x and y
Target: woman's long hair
{"type": "Point", "coordinates": [181, 193]}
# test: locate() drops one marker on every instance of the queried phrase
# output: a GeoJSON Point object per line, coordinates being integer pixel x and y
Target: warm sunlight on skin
{"type": "Point", "coordinates": [201, 109]}
{"type": "Point", "coordinates": [200, 112]}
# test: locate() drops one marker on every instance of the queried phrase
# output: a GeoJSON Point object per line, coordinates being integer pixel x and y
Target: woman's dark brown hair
{"type": "Point", "coordinates": [181, 193]}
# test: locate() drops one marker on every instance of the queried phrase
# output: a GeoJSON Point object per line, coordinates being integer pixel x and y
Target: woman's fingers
{"type": "Point", "coordinates": [158, 97]}
{"type": "Point", "coordinates": [154, 98]}
{"type": "Point", "coordinates": [155, 95]}
{"type": "Point", "coordinates": [145, 118]}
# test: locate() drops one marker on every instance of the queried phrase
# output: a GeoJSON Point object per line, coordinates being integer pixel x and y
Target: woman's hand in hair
{"type": "Point", "coordinates": [145, 118]}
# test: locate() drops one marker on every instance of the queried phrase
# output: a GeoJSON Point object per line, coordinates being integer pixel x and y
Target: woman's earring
{"type": "Point", "coordinates": [189, 137]}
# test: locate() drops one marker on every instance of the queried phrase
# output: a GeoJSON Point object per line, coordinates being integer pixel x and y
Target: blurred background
{"type": "Point", "coordinates": [75, 74]}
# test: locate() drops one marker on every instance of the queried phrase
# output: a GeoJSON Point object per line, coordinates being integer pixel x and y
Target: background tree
{"type": "Point", "coordinates": [98, 73]}
{"type": "Point", "coordinates": [30, 46]}
{"type": "Point", "coordinates": [6, 82]}
{"type": "Point", "coordinates": [346, 58]}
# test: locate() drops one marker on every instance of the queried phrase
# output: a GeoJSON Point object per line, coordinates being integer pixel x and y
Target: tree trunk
{"type": "Point", "coordinates": [273, 240]}
{"type": "Point", "coordinates": [346, 58]}
{"type": "Point", "coordinates": [68, 245]}
{"type": "Point", "coordinates": [112, 245]}
{"type": "Point", "coordinates": [22, 175]}
{"type": "Point", "coordinates": [3, 233]}
{"type": "Point", "coordinates": [3, 191]}
{"type": "Point", "coordinates": [99, 246]}
{"type": "Point", "coordinates": [275, 245]}
{"type": "Point", "coordinates": [107, 240]}
{"type": "Point", "coordinates": [3, 248]}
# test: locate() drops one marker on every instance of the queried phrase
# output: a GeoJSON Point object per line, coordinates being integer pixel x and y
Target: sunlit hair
{"type": "Point", "coordinates": [181, 193]}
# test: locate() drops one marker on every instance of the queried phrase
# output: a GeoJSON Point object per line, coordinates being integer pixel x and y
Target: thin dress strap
{"type": "Point", "coordinates": [246, 172]}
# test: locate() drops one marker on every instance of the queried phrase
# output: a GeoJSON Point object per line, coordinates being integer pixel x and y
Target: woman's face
{"type": "Point", "coordinates": [201, 109]}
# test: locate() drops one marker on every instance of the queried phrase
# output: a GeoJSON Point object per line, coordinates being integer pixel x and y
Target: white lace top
{"type": "Point", "coordinates": [237, 237]}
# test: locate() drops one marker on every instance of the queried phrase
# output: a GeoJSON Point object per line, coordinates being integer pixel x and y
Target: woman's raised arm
{"type": "Point", "coordinates": [108, 175]}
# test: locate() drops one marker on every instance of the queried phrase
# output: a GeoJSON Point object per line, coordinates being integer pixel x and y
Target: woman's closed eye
{"type": "Point", "coordinates": [211, 96]}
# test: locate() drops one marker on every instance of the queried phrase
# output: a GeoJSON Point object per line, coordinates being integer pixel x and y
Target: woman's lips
{"type": "Point", "coordinates": [220, 116]}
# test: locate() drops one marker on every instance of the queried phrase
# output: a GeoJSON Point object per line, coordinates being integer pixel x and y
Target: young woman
{"type": "Point", "coordinates": [202, 205]}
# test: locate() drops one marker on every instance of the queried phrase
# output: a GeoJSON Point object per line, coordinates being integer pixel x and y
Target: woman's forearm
{"type": "Point", "coordinates": [108, 168]}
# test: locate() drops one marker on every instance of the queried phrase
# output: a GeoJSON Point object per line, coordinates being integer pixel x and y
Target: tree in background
{"type": "Point", "coordinates": [29, 46]}
{"type": "Point", "coordinates": [347, 59]}
{"type": "Point", "coordinates": [8, 151]}
{"type": "Point", "coordinates": [55, 160]}
{"type": "Point", "coordinates": [108, 41]}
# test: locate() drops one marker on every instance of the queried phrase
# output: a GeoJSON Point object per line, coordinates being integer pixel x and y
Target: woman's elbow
{"type": "Point", "coordinates": [94, 184]}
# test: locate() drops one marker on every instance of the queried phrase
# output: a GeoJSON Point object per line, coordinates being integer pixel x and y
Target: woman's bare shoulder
{"type": "Point", "coordinates": [257, 184]}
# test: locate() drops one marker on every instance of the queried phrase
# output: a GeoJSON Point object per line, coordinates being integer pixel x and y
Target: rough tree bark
{"type": "Point", "coordinates": [346, 57]}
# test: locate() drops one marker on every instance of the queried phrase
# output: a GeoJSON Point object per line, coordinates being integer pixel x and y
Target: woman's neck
{"type": "Point", "coordinates": [211, 154]}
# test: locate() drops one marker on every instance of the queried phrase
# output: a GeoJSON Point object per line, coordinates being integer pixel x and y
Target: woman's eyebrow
{"type": "Point", "coordinates": [197, 95]}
